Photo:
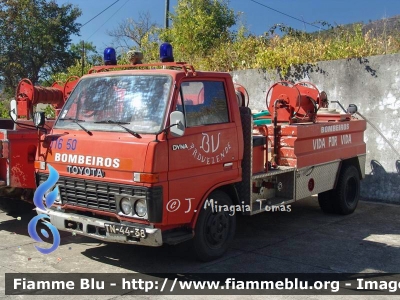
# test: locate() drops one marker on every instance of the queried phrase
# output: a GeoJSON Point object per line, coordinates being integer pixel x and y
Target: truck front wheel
{"type": "Point", "coordinates": [215, 227]}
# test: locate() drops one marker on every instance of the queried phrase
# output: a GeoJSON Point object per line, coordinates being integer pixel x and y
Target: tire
{"type": "Point", "coordinates": [214, 231]}
{"type": "Point", "coordinates": [344, 199]}
{"type": "Point", "coordinates": [348, 191]}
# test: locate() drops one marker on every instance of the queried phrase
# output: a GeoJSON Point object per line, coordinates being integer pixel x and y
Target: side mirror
{"type": "Point", "coordinates": [13, 110]}
{"type": "Point", "coordinates": [39, 119]}
{"type": "Point", "coordinates": [177, 123]}
{"type": "Point", "coordinates": [352, 109]}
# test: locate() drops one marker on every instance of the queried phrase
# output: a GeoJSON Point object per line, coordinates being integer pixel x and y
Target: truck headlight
{"type": "Point", "coordinates": [141, 207]}
{"type": "Point", "coordinates": [126, 206]}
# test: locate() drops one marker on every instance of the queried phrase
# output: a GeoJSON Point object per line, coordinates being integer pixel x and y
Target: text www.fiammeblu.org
{"type": "Point", "coordinates": [286, 284]}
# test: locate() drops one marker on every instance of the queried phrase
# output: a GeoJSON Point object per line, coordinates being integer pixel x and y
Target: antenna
{"type": "Point", "coordinates": [166, 14]}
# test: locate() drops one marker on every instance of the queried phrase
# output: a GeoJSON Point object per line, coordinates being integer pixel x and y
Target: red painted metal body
{"type": "Point", "coordinates": [20, 141]}
{"type": "Point", "coordinates": [18, 153]}
{"type": "Point", "coordinates": [302, 145]}
{"type": "Point", "coordinates": [28, 95]}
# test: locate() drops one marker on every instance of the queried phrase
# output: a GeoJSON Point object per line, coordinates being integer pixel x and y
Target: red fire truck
{"type": "Point", "coordinates": [155, 154]}
{"type": "Point", "coordinates": [19, 138]}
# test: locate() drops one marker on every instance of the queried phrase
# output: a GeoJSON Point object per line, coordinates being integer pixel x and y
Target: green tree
{"type": "Point", "coordinates": [89, 51]}
{"type": "Point", "coordinates": [35, 39]}
{"type": "Point", "coordinates": [79, 67]}
{"type": "Point", "coordinates": [198, 26]}
{"type": "Point", "coordinates": [73, 70]}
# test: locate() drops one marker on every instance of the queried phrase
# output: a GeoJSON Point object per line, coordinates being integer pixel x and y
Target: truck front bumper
{"type": "Point", "coordinates": [95, 228]}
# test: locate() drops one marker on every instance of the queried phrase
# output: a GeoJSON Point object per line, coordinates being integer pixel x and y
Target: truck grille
{"type": "Point", "coordinates": [92, 194]}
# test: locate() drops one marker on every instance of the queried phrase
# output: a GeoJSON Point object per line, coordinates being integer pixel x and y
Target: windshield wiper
{"type": "Point", "coordinates": [76, 122]}
{"type": "Point", "coordinates": [120, 124]}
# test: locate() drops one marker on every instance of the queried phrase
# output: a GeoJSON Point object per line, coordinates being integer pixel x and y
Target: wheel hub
{"type": "Point", "coordinates": [217, 228]}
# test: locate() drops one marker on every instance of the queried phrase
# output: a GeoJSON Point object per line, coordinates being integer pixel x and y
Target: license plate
{"type": "Point", "coordinates": [126, 230]}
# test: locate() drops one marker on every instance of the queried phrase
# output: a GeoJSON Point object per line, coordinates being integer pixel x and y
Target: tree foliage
{"type": "Point", "coordinates": [91, 57]}
{"type": "Point", "coordinates": [198, 26]}
{"type": "Point", "coordinates": [35, 39]}
{"type": "Point", "coordinates": [88, 51]}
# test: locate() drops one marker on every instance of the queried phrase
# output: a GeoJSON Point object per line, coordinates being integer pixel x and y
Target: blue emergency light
{"type": "Point", "coordinates": [166, 54]}
{"type": "Point", "coordinates": [110, 57]}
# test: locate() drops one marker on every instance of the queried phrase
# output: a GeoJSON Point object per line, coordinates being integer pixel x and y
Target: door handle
{"type": "Point", "coordinates": [228, 166]}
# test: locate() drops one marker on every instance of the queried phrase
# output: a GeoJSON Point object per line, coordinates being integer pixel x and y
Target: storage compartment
{"type": "Point", "coordinates": [259, 151]}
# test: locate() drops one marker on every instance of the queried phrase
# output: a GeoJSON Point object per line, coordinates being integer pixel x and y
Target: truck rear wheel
{"type": "Point", "coordinates": [215, 228]}
{"type": "Point", "coordinates": [348, 190]}
{"type": "Point", "coordinates": [344, 199]}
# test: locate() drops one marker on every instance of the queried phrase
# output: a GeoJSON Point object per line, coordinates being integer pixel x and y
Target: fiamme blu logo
{"type": "Point", "coordinates": [44, 199]}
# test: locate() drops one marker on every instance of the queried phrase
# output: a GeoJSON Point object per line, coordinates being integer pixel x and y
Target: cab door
{"type": "Point", "coordinates": [206, 156]}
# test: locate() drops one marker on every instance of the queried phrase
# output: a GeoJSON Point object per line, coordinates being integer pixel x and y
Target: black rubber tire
{"type": "Point", "coordinates": [348, 191]}
{"type": "Point", "coordinates": [214, 231]}
{"type": "Point", "coordinates": [344, 198]}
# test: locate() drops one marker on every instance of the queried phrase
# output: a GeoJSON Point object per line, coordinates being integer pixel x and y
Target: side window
{"type": "Point", "coordinates": [204, 102]}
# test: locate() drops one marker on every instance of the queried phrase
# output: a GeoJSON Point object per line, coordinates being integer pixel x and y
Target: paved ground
{"type": "Point", "coordinates": [304, 240]}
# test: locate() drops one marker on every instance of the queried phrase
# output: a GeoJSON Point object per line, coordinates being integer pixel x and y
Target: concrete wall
{"type": "Point", "coordinates": [373, 84]}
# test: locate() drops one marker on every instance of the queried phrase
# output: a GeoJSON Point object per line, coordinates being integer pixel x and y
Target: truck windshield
{"type": "Point", "coordinates": [105, 102]}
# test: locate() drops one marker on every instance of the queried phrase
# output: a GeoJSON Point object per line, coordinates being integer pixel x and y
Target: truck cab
{"type": "Point", "coordinates": [123, 176]}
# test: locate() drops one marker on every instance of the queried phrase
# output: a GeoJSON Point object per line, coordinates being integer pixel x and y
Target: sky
{"type": "Point", "coordinates": [255, 14]}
